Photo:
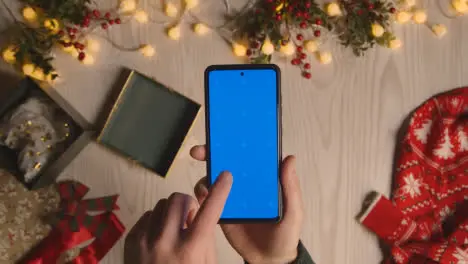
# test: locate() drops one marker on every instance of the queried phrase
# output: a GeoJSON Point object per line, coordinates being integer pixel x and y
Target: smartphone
{"type": "Point", "coordinates": [243, 129]}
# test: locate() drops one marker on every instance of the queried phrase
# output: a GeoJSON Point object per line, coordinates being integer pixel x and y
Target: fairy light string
{"type": "Point", "coordinates": [258, 32]}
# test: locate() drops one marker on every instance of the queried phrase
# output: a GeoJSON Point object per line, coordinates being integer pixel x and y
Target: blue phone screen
{"type": "Point", "coordinates": [243, 139]}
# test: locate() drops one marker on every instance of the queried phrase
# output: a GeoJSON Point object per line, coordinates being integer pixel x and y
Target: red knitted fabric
{"type": "Point", "coordinates": [426, 220]}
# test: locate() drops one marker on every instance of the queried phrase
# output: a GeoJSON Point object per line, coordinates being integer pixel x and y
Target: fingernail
{"type": "Point", "coordinates": [225, 177]}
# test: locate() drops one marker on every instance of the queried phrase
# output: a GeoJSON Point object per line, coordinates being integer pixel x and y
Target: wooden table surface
{"type": "Point", "coordinates": [341, 124]}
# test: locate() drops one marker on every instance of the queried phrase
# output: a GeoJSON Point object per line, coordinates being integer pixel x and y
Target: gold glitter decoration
{"type": "Point", "coordinates": [38, 153]}
{"type": "Point", "coordinates": [37, 166]}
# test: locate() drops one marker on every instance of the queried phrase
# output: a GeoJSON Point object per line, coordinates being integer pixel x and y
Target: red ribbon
{"type": "Point", "coordinates": [76, 227]}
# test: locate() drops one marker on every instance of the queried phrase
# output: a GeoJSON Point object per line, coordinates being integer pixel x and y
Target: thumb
{"type": "Point", "coordinates": [292, 195]}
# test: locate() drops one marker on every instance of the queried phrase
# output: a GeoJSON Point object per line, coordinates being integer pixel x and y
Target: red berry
{"type": "Point", "coordinates": [67, 44]}
{"type": "Point", "coordinates": [107, 15]}
{"type": "Point", "coordinates": [392, 10]}
{"type": "Point", "coordinates": [318, 21]}
{"type": "Point", "coordinates": [295, 62]}
{"type": "Point", "coordinates": [77, 45]}
{"type": "Point", "coordinates": [307, 66]}
{"type": "Point", "coordinates": [111, 22]}
{"type": "Point", "coordinates": [308, 5]}
{"type": "Point", "coordinates": [96, 13]}
{"type": "Point", "coordinates": [74, 30]}
{"type": "Point", "coordinates": [86, 20]}
{"type": "Point", "coordinates": [370, 6]}
{"type": "Point", "coordinates": [299, 49]}
{"type": "Point", "coordinates": [306, 15]}
{"type": "Point", "coordinates": [104, 25]}
{"type": "Point", "coordinates": [290, 8]}
{"type": "Point", "coordinates": [72, 37]}
{"type": "Point", "coordinates": [298, 14]}
{"type": "Point", "coordinates": [303, 56]}
{"type": "Point", "coordinates": [256, 45]}
{"type": "Point", "coordinates": [278, 17]}
{"type": "Point", "coordinates": [359, 12]}
{"type": "Point", "coordinates": [269, 1]}
{"type": "Point", "coordinates": [118, 21]}
{"type": "Point", "coordinates": [249, 52]}
{"type": "Point", "coordinates": [69, 30]}
{"type": "Point", "coordinates": [303, 24]}
{"type": "Point", "coordinates": [307, 75]}
{"type": "Point", "coordinates": [81, 56]}
{"type": "Point", "coordinates": [299, 37]}
{"type": "Point", "coordinates": [317, 33]}
{"type": "Point", "coordinates": [61, 33]}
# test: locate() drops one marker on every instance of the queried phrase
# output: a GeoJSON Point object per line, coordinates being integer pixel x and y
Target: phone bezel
{"type": "Point", "coordinates": [279, 129]}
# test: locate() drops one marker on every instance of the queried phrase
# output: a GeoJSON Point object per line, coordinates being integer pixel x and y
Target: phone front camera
{"type": "Point", "coordinates": [242, 73]}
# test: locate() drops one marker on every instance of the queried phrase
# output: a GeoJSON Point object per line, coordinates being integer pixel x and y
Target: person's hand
{"type": "Point", "coordinates": [177, 231]}
{"type": "Point", "coordinates": [265, 243]}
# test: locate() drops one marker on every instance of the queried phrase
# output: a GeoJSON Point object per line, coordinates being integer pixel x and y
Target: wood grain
{"type": "Point", "coordinates": [341, 125]}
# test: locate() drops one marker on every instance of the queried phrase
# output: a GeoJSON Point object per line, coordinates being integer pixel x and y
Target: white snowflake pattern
{"type": "Point", "coordinates": [398, 258]}
{"type": "Point", "coordinates": [412, 186]}
{"type": "Point", "coordinates": [445, 150]}
{"type": "Point", "coordinates": [461, 256]}
{"type": "Point", "coordinates": [444, 213]}
{"type": "Point", "coordinates": [422, 132]}
{"type": "Point", "coordinates": [455, 102]}
{"type": "Point", "coordinates": [462, 139]}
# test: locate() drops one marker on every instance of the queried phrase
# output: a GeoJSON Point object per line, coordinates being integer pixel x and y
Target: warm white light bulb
{"type": "Point", "coordinates": [395, 44]}
{"type": "Point", "coordinates": [333, 9]}
{"type": "Point", "coordinates": [288, 49]}
{"type": "Point", "coordinates": [420, 16]}
{"type": "Point", "coordinates": [377, 30]}
{"type": "Point", "coordinates": [141, 16]}
{"type": "Point", "coordinates": [171, 10]}
{"type": "Point", "coordinates": [325, 57]}
{"type": "Point", "coordinates": [28, 69]}
{"type": "Point", "coordinates": [174, 32]}
{"type": "Point", "coordinates": [88, 60]}
{"type": "Point", "coordinates": [201, 29]}
{"type": "Point", "coordinates": [147, 50]}
{"type": "Point", "coordinates": [9, 55]}
{"type": "Point", "coordinates": [29, 14]}
{"type": "Point", "coordinates": [268, 48]}
{"type": "Point", "coordinates": [239, 50]}
{"type": "Point", "coordinates": [93, 45]}
{"type": "Point", "coordinates": [189, 4]}
{"type": "Point", "coordinates": [311, 45]}
{"type": "Point", "coordinates": [402, 17]}
{"type": "Point", "coordinates": [127, 6]}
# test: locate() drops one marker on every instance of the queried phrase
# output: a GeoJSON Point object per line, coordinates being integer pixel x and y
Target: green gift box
{"type": "Point", "coordinates": [148, 123]}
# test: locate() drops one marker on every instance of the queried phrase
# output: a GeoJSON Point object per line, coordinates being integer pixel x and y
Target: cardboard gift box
{"type": "Point", "coordinates": [148, 123]}
{"type": "Point", "coordinates": [80, 132]}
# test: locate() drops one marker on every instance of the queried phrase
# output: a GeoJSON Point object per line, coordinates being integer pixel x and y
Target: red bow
{"type": "Point", "coordinates": [76, 227]}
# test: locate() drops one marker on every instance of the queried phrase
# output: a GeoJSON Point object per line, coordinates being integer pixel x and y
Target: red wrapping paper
{"type": "Point", "coordinates": [76, 227]}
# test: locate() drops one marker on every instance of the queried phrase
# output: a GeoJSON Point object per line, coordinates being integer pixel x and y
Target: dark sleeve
{"type": "Point", "coordinates": [303, 256]}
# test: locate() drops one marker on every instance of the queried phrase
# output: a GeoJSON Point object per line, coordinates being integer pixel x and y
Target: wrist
{"type": "Point", "coordinates": [286, 258]}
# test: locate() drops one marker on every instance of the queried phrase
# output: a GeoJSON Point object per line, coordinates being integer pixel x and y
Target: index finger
{"type": "Point", "coordinates": [211, 210]}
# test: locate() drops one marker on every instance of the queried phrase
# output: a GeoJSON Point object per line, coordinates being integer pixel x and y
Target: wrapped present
{"type": "Point", "coordinates": [52, 225]}
{"type": "Point", "coordinates": [21, 214]}
{"type": "Point", "coordinates": [40, 133]}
